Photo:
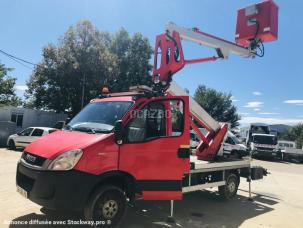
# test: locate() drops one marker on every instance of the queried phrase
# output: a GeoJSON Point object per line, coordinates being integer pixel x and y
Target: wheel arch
{"type": "Point", "coordinates": [120, 179]}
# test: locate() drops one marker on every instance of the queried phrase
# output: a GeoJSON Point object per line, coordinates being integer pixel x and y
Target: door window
{"type": "Point", "coordinates": [149, 123]}
{"type": "Point", "coordinates": [26, 132]}
{"type": "Point", "coordinates": [177, 117]}
{"type": "Point", "coordinates": [230, 141]}
{"type": "Point", "coordinates": [37, 132]}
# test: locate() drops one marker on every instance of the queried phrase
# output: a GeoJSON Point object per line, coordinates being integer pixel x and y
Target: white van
{"type": "Point", "coordinates": [233, 147]}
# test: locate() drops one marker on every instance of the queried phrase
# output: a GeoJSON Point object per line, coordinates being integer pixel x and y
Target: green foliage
{"type": "Point", "coordinates": [294, 134]}
{"type": "Point", "coordinates": [7, 91]}
{"type": "Point", "coordinates": [217, 104]}
{"type": "Point", "coordinates": [86, 55]}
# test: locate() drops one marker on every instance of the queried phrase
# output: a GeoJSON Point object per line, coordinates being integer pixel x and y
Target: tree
{"type": "Point", "coordinates": [217, 104]}
{"type": "Point", "coordinates": [7, 91]}
{"type": "Point", "coordinates": [133, 56]}
{"type": "Point", "coordinates": [89, 58]}
{"type": "Point", "coordinates": [294, 134]}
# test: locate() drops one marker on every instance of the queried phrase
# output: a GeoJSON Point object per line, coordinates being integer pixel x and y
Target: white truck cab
{"type": "Point", "coordinates": [264, 145]}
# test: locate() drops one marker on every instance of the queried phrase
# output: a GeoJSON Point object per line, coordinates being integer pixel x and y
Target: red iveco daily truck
{"type": "Point", "coordinates": [135, 145]}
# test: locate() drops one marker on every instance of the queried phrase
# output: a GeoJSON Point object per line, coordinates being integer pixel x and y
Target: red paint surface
{"type": "Point", "coordinates": [267, 17]}
{"type": "Point", "coordinates": [151, 160]}
{"type": "Point", "coordinates": [162, 195]}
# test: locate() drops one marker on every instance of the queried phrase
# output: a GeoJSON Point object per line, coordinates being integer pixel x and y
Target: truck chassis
{"type": "Point", "coordinates": [224, 174]}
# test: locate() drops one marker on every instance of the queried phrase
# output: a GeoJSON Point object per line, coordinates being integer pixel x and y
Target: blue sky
{"type": "Point", "coordinates": [265, 89]}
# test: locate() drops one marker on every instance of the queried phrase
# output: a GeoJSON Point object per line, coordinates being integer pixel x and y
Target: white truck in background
{"type": "Point", "coordinates": [264, 145]}
{"type": "Point", "coordinates": [289, 150]}
{"type": "Point", "coordinates": [261, 142]}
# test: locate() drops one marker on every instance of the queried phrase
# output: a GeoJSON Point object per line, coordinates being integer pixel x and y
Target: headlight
{"type": "Point", "coordinates": [66, 161]}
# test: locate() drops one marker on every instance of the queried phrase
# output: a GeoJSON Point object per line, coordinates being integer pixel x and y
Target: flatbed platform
{"type": "Point", "coordinates": [198, 166]}
{"type": "Point", "coordinates": [208, 174]}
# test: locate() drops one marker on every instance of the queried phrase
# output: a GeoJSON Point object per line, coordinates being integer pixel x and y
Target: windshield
{"type": "Point", "coordinates": [262, 139]}
{"type": "Point", "coordinates": [234, 138]}
{"type": "Point", "coordinates": [259, 129]}
{"type": "Point", "coordinates": [99, 117]}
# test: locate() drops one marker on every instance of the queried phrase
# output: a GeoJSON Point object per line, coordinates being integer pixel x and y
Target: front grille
{"type": "Point", "coordinates": [264, 148]}
{"type": "Point", "coordinates": [33, 159]}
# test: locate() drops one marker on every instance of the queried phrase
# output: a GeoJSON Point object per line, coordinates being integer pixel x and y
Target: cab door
{"type": "Point", "coordinates": [155, 149]}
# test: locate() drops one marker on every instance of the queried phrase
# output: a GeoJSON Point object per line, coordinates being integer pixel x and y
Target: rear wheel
{"type": "Point", "coordinates": [229, 190]}
{"type": "Point", "coordinates": [11, 145]}
{"type": "Point", "coordinates": [106, 207]}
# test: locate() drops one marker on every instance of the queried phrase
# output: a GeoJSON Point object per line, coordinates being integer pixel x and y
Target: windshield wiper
{"type": "Point", "coordinates": [83, 129]}
{"type": "Point", "coordinates": [87, 129]}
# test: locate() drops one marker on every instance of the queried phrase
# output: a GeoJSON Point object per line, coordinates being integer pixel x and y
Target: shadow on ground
{"type": "Point", "coordinates": [198, 209]}
{"type": "Point", "coordinates": [19, 149]}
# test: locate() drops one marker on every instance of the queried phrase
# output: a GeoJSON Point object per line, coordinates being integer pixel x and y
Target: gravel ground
{"type": "Point", "coordinates": [278, 202]}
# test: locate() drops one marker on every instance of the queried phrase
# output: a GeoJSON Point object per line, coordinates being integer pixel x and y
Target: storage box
{"type": "Point", "coordinates": [257, 21]}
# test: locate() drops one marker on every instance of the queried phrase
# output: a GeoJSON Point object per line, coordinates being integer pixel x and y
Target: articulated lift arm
{"type": "Point", "coordinates": [256, 24]}
{"type": "Point", "coordinates": [211, 142]}
{"type": "Point", "coordinates": [169, 56]}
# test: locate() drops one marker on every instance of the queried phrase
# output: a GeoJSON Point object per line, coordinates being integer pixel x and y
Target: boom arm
{"type": "Point", "coordinates": [255, 24]}
{"type": "Point", "coordinates": [172, 60]}
{"type": "Point", "coordinates": [211, 142]}
{"type": "Point", "coordinates": [223, 46]}
{"type": "Point", "coordinates": [169, 56]}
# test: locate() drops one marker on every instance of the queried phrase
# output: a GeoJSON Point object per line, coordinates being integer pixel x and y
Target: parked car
{"type": "Point", "coordinates": [27, 136]}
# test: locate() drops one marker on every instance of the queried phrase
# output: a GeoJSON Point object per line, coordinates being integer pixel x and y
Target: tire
{"type": "Point", "coordinates": [107, 206]}
{"type": "Point", "coordinates": [11, 145]}
{"type": "Point", "coordinates": [235, 154]}
{"type": "Point", "coordinates": [229, 190]}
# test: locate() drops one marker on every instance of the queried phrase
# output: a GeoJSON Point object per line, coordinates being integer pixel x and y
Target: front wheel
{"type": "Point", "coordinates": [106, 207]}
{"type": "Point", "coordinates": [229, 190]}
{"type": "Point", "coordinates": [11, 145]}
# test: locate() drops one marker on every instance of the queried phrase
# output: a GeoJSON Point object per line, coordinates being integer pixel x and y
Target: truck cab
{"type": "Point", "coordinates": [264, 145]}
{"type": "Point", "coordinates": [132, 143]}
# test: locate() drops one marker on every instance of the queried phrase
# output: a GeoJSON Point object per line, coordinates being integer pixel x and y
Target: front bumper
{"type": "Point", "coordinates": [265, 153]}
{"type": "Point", "coordinates": [66, 190]}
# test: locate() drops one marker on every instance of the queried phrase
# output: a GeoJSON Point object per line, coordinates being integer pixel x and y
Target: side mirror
{"type": "Point", "coordinates": [118, 132]}
{"type": "Point", "coordinates": [19, 133]}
